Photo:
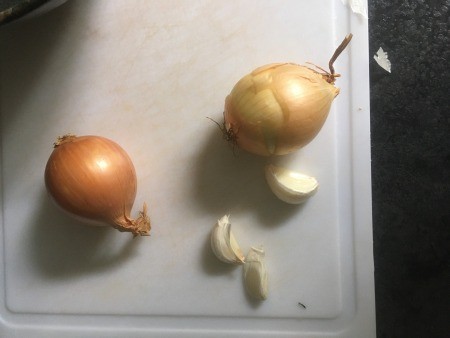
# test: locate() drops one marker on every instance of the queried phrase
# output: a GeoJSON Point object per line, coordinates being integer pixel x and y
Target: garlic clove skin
{"type": "Point", "coordinates": [255, 274]}
{"type": "Point", "coordinates": [224, 244]}
{"type": "Point", "coordinates": [290, 186]}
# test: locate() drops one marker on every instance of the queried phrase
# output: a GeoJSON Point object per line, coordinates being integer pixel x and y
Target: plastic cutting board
{"type": "Point", "coordinates": [147, 74]}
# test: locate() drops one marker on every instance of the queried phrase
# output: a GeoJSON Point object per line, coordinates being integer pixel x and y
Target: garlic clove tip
{"type": "Point", "coordinates": [224, 244]}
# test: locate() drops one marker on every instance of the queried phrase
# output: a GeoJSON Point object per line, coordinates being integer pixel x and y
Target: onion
{"type": "Point", "coordinates": [280, 107]}
{"type": "Point", "coordinates": [93, 179]}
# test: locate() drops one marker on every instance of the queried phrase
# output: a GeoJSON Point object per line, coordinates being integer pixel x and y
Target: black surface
{"type": "Point", "coordinates": [410, 124]}
{"type": "Point", "coordinates": [13, 9]}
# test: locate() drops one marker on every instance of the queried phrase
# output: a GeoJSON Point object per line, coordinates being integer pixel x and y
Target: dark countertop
{"type": "Point", "coordinates": [410, 126]}
{"type": "Point", "coordinates": [11, 10]}
{"type": "Point", "coordinates": [14, 9]}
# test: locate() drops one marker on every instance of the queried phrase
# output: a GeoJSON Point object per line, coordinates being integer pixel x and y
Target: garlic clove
{"type": "Point", "coordinates": [255, 274]}
{"type": "Point", "coordinates": [290, 186]}
{"type": "Point", "coordinates": [224, 244]}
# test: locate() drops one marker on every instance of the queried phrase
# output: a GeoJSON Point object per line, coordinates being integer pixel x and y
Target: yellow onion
{"type": "Point", "coordinates": [93, 179]}
{"type": "Point", "coordinates": [280, 107]}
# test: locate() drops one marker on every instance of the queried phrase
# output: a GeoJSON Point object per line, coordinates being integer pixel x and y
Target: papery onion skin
{"type": "Point", "coordinates": [93, 178]}
{"type": "Point", "coordinates": [278, 108]}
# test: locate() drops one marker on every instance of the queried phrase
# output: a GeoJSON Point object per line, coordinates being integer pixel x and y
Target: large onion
{"type": "Point", "coordinates": [280, 107]}
{"type": "Point", "coordinates": [93, 178]}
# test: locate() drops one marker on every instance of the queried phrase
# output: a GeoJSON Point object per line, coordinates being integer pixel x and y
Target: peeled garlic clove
{"type": "Point", "coordinates": [224, 244]}
{"type": "Point", "coordinates": [290, 186]}
{"type": "Point", "coordinates": [255, 274]}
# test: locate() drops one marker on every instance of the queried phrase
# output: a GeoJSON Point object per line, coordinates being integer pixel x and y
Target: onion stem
{"type": "Point", "coordinates": [336, 54]}
{"type": "Point", "coordinates": [63, 139]}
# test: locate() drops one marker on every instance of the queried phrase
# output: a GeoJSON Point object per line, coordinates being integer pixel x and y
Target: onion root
{"type": "Point", "coordinates": [138, 227]}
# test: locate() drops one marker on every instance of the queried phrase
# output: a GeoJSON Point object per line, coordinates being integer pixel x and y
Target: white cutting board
{"type": "Point", "coordinates": [147, 74]}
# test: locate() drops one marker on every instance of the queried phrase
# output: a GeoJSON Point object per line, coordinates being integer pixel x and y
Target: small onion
{"type": "Point", "coordinates": [279, 108]}
{"type": "Point", "coordinates": [93, 179]}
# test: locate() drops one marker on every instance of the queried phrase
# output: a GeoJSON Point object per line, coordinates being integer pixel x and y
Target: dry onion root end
{"type": "Point", "coordinates": [138, 227]}
{"type": "Point", "coordinates": [228, 133]}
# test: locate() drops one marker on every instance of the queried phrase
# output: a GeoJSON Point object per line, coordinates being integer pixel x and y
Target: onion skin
{"type": "Point", "coordinates": [278, 108]}
{"type": "Point", "coordinates": [93, 178]}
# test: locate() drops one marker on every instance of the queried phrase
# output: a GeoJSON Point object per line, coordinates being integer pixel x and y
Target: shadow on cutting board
{"type": "Point", "coordinates": [29, 49]}
{"type": "Point", "coordinates": [230, 181]}
{"type": "Point", "coordinates": [62, 247]}
{"type": "Point", "coordinates": [211, 265]}
{"type": "Point", "coordinates": [58, 246]}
